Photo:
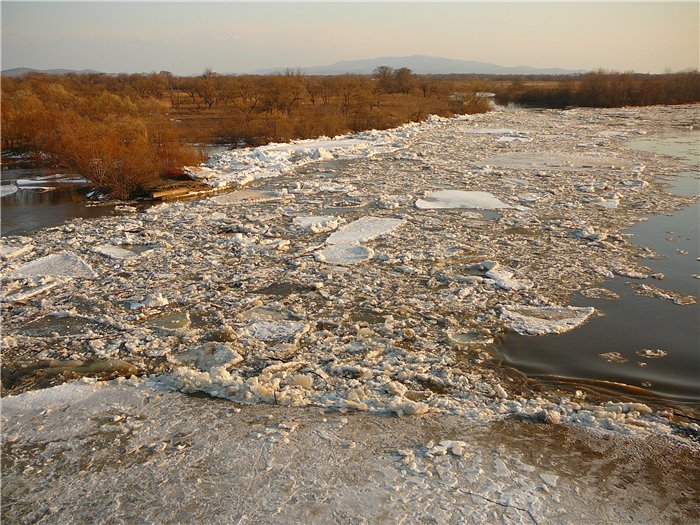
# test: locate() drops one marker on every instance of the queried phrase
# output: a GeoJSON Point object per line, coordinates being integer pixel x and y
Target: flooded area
{"type": "Point", "coordinates": [43, 205]}
{"type": "Point", "coordinates": [641, 339]}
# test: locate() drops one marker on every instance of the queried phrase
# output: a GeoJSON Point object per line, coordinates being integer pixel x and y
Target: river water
{"type": "Point", "coordinates": [634, 323]}
{"type": "Point", "coordinates": [30, 209]}
{"type": "Point", "coordinates": [630, 324]}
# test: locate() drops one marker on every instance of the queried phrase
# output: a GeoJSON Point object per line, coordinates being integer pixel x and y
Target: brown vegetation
{"type": "Point", "coordinates": [119, 142]}
{"type": "Point", "coordinates": [602, 89]}
{"type": "Point", "coordinates": [125, 132]}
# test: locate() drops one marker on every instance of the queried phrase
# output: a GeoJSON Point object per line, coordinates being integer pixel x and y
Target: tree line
{"type": "Point", "coordinates": [125, 132]}
{"type": "Point", "coordinates": [604, 89]}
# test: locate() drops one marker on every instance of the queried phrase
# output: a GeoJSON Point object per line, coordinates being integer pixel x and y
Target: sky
{"type": "Point", "coordinates": [186, 37]}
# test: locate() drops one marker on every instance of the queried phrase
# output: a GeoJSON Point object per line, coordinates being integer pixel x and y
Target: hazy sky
{"type": "Point", "coordinates": [243, 37]}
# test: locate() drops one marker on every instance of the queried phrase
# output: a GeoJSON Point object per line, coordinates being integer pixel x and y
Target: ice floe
{"type": "Point", "coordinates": [461, 199]}
{"type": "Point", "coordinates": [64, 264]}
{"type": "Point", "coordinates": [276, 330]}
{"type": "Point", "coordinates": [540, 320]}
{"type": "Point", "coordinates": [50, 181]}
{"type": "Point", "coordinates": [345, 253]}
{"type": "Point", "coordinates": [115, 252]}
{"type": "Point", "coordinates": [344, 246]}
{"type": "Point", "coordinates": [7, 189]}
{"type": "Point", "coordinates": [364, 229]}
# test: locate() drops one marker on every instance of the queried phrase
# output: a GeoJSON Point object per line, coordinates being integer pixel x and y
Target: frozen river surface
{"type": "Point", "coordinates": [369, 274]}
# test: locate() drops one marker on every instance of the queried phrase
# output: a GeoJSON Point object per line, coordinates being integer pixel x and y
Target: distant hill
{"type": "Point", "coordinates": [19, 71]}
{"type": "Point", "coordinates": [426, 65]}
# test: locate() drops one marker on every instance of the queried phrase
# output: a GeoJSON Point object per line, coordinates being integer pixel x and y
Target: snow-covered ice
{"type": "Point", "coordinates": [135, 454]}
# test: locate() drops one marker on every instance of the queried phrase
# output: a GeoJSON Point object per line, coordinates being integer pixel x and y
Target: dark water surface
{"type": "Point", "coordinates": [634, 323]}
{"type": "Point", "coordinates": [29, 210]}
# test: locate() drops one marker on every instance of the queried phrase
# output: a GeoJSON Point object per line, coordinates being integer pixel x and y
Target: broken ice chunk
{"type": "Point", "coordinates": [613, 357]}
{"type": "Point", "coordinates": [648, 353]}
{"type": "Point", "coordinates": [505, 280]}
{"type": "Point", "coordinates": [7, 189]}
{"type": "Point", "coordinates": [344, 254]}
{"type": "Point", "coordinates": [277, 331]}
{"type": "Point", "coordinates": [115, 252]}
{"type": "Point", "coordinates": [364, 229]}
{"type": "Point", "coordinates": [10, 252]}
{"type": "Point", "coordinates": [30, 292]}
{"type": "Point", "coordinates": [460, 199]}
{"type": "Point", "coordinates": [210, 355]}
{"type": "Point", "coordinates": [540, 320]}
{"type": "Point", "coordinates": [241, 196]}
{"type": "Point", "coordinates": [63, 264]}
{"type": "Point", "coordinates": [151, 301]}
{"type": "Point", "coordinates": [316, 223]}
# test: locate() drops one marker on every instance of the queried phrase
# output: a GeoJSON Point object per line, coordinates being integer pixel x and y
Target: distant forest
{"type": "Point", "coordinates": [126, 132]}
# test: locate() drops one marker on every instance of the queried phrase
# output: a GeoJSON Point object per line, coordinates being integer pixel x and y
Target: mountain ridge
{"type": "Point", "coordinates": [423, 64]}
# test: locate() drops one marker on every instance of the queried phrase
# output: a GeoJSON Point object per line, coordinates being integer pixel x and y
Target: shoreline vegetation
{"type": "Point", "coordinates": [130, 134]}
